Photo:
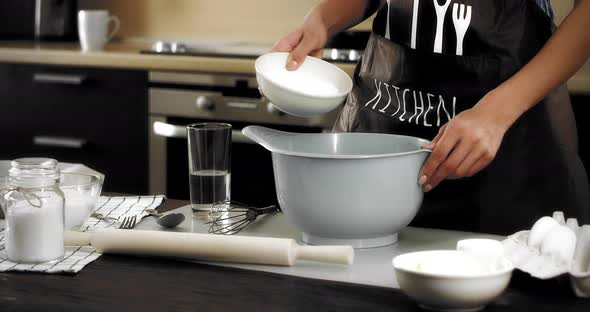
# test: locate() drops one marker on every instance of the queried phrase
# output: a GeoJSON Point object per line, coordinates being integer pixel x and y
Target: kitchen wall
{"type": "Point", "coordinates": [561, 8]}
{"type": "Point", "coordinates": [262, 21]}
{"type": "Point", "coordinates": [249, 20]}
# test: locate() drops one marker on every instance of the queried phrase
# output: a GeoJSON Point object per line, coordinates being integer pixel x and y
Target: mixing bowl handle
{"type": "Point", "coordinates": [268, 138]}
{"type": "Point", "coordinates": [425, 142]}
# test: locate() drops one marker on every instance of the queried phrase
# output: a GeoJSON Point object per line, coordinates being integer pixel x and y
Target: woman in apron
{"type": "Point", "coordinates": [483, 79]}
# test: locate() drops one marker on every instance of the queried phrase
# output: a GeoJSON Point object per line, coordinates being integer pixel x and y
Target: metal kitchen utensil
{"type": "Point", "coordinates": [129, 222]}
{"type": "Point", "coordinates": [170, 220]}
{"type": "Point", "coordinates": [231, 217]}
{"type": "Point", "coordinates": [100, 216]}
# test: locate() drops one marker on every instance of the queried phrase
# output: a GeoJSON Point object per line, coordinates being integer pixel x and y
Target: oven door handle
{"type": "Point", "coordinates": [59, 79]}
{"type": "Point", "coordinates": [174, 131]}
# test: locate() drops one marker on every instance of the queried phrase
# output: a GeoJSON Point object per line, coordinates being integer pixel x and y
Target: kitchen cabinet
{"type": "Point", "coordinates": [94, 116]}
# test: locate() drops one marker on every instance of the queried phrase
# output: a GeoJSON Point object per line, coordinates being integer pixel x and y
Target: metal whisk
{"type": "Point", "coordinates": [231, 217]}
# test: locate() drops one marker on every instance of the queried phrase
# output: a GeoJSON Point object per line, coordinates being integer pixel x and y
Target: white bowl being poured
{"type": "Point", "coordinates": [315, 88]}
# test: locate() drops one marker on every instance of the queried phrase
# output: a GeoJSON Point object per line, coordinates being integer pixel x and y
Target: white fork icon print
{"type": "Point", "coordinates": [461, 21]}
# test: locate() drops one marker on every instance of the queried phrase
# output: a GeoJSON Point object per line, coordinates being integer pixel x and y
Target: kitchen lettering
{"type": "Point", "coordinates": [412, 106]}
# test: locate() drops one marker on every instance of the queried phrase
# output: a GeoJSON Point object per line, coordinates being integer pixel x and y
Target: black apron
{"type": "Point", "coordinates": [428, 60]}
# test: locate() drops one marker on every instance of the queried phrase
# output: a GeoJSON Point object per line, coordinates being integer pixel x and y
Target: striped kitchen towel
{"type": "Point", "coordinates": [77, 258]}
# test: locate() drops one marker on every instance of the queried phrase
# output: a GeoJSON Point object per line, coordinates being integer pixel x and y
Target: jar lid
{"type": "Point", "coordinates": [34, 162]}
{"type": "Point", "coordinates": [34, 172]}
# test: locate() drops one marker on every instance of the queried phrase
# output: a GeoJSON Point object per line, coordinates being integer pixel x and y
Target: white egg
{"type": "Point", "coordinates": [559, 216]}
{"type": "Point", "coordinates": [540, 230]}
{"type": "Point", "coordinates": [572, 223]}
{"type": "Point", "coordinates": [560, 244]}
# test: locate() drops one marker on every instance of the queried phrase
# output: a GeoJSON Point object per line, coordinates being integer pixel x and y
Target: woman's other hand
{"type": "Point", "coordinates": [466, 144]}
{"type": "Point", "coordinates": [309, 39]}
{"type": "Point", "coordinates": [470, 141]}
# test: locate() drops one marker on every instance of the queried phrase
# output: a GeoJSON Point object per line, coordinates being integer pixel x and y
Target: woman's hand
{"type": "Point", "coordinates": [466, 144]}
{"type": "Point", "coordinates": [470, 141]}
{"type": "Point", "coordinates": [308, 39]}
{"type": "Point", "coordinates": [325, 19]}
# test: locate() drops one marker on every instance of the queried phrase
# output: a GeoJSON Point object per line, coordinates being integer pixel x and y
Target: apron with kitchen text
{"type": "Point", "coordinates": [429, 60]}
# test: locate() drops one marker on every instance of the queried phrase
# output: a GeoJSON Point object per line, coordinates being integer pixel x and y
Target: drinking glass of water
{"type": "Point", "coordinates": [209, 153]}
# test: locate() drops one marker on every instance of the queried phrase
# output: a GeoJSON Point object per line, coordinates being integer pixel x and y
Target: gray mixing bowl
{"type": "Point", "coordinates": [357, 189]}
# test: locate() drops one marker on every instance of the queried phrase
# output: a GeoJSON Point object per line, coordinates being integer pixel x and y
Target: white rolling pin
{"type": "Point", "coordinates": [208, 247]}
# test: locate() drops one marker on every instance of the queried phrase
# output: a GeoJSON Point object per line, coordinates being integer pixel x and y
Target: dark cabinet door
{"type": "Point", "coordinates": [93, 116]}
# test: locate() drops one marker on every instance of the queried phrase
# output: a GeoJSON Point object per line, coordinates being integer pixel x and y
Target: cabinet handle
{"type": "Point", "coordinates": [173, 131]}
{"type": "Point", "coordinates": [59, 79]}
{"type": "Point", "coordinates": [52, 141]}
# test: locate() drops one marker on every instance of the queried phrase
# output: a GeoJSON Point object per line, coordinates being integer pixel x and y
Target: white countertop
{"type": "Point", "coordinates": [371, 266]}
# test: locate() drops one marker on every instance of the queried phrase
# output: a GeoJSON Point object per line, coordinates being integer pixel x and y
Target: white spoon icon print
{"type": "Point", "coordinates": [441, 11]}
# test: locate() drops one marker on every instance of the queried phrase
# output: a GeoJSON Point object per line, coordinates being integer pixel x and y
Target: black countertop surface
{"type": "Point", "coordinates": [122, 283]}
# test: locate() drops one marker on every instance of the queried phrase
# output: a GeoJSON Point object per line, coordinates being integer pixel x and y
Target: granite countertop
{"type": "Point", "coordinates": [125, 54]}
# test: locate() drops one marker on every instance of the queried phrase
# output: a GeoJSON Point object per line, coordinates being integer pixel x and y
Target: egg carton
{"type": "Point", "coordinates": [531, 260]}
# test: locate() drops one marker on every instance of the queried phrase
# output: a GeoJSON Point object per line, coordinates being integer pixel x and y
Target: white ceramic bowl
{"type": "Point", "coordinates": [315, 88]}
{"type": "Point", "coordinates": [450, 280]}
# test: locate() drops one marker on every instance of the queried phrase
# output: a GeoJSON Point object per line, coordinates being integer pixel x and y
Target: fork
{"type": "Point", "coordinates": [461, 21]}
{"type": "Point", "coordinates": [128, 222]}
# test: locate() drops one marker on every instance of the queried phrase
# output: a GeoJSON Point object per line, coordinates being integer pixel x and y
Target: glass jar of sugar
{"type": "Point", "coordinates": [34, 211]}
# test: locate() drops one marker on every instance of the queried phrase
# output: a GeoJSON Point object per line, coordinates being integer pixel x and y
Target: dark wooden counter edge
{"type": "Point", "coordinates": [132, 283]}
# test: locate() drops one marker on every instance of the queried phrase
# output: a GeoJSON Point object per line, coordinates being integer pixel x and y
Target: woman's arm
{"type": "Point", "coordinates": [339, 16]}
{"type": "Point", "coordinates": [324, 20]}
{"type": "Point", "coordinates": [561, 57]}
{"type": "Point", "coordinates": [470, 141]}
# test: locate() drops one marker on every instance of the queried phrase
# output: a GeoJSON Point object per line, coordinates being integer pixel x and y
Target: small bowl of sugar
{"type": "Point", "coordinates": [81, 192]}
{"type": "Point", "coordinates": [315, 88]}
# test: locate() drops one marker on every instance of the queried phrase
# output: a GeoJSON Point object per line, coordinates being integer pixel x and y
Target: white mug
{"type": "Point", "coordinates": [93, 28]}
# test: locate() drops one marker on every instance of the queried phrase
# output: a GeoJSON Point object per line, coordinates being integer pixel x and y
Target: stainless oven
{"type": "Point", "coordinates": [179, 99]}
